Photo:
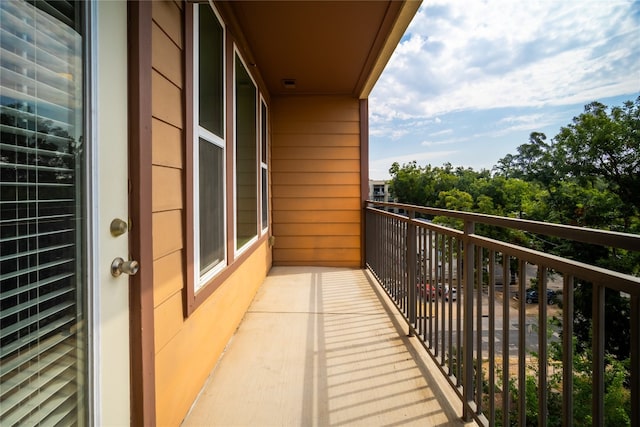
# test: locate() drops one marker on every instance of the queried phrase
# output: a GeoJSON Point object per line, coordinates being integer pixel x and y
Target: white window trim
{"type": "Point", "coordinates": [199, 132]}
{"type": "Point", "coordinates": [263, 165]}
{"type": "Point", "coordinates": [248, 244]}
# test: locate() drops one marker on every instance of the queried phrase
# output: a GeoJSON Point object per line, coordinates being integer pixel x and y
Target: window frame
{"type": "Point", "coordinates": [194, 293]}
{"type": "Point", "coordinates": [240, 249]}
{"type": "Point", "coordinates": [263, 145]}
{"type": "Point", "coordinates": [199, 132]}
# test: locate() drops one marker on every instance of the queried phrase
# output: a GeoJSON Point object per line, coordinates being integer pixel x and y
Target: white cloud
{"type": "Point", "coordinates": [442, 132]}
{"type": "Point", "coordinates": [473, 55]}
{"type": "Point", "coordinates": [429, 143]}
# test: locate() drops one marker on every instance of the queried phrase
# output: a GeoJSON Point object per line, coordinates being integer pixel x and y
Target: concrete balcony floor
{"type": "Point", "coordinates": [324, 347]}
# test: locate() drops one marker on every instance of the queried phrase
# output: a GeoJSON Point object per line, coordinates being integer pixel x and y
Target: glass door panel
{"type": "Point", "coordinates": [43, 340]}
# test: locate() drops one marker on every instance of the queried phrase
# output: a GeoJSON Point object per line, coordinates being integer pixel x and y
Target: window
{"type": "Point", "coordinates": [209, 147]}
{"type": "Point", "coordinates": [264, 147]}
{"type": "Point", "coordinates": [246, 165]}
{"type": "Point", "coordinates": [43, 252]}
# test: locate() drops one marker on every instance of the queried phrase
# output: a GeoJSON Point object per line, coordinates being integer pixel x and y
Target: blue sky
{"type": "Point", "coordinates": [470, 80]}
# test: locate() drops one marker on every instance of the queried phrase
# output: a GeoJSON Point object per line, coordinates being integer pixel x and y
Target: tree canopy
{"type": "Point", "coordinates": [587, 175]}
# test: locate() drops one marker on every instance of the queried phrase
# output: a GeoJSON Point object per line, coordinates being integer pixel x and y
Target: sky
{"type": "Point", "coordinates": [470, 80]}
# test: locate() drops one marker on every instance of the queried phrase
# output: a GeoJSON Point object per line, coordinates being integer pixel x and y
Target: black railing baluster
{"type": "Point", "coordinates": [522, 343]}
{"type": "Point", "coordinates": [567, 350]}
{"type": "Point", "coordinates": [598, 355]}
{"type": "Point", "coordinates": [542, 345]}
{"type": "Point", "coordinates": [411, 272]}
{"type": "Point", "coordinates": [467, 383]}
{"type": "Point", "coordinates": [506, 356]}
{"type": "Point", "coordinates": [416, 262]}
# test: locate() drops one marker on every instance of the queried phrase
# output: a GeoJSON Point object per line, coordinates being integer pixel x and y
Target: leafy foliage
{"type": "Point", "coordinates": [589, 176]}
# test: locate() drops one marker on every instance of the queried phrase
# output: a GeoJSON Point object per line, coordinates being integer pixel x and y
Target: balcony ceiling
{"type": "Point", "coordinates": [327, 47]}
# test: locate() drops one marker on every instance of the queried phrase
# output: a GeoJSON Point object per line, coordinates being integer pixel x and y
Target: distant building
{"type": "Point", "coordinates": [379, 191]}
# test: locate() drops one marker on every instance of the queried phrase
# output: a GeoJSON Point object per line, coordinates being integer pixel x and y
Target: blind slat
{"type": "Point", "coordinates": [39, 267]}
{"type": "Point", "coordinates": [35, 396]}
{"type": "Point", "coordinates": [32, 302]}
{"type": "Point", "coordinates": [36, 335]}
{"type": "Point", "coordinates": [22, 166]}
{"type": "Point", "coordinates": [36, 201]}
{"type": "Point", "coordinates": [26, 356]}
{"type": "Point", "coordinates": [34, 184]}
{"type": "Point", "coordinates": [56, 413]}
{"type": "Point", "coordinates": [32, 150]}
{"type": "Point", "coordinates": [43, 362]}
{"type": "Point", "coordinates": [29, 236]}
{"type": "Point", "coordinates": [39, 219]}
{"type": "Point", "coordinates": [31, 286]}
{"type": "Point", "coordinates": [40, 250]}
{"type": "Point", "coordinates": [47, 93]}
{"type": "Point", "coordinates": [15, 327]}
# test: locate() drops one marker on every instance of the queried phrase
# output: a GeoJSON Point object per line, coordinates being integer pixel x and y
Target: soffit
{"type": "Point", "coordinates": [328, 47]}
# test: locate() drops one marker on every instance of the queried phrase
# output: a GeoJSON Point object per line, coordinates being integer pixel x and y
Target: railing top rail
{"type": "Point", "coordinates": [570, 232]}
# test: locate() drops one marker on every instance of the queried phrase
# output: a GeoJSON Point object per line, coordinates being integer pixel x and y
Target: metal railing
{"type": "Point", "coordinates": [457, 292]}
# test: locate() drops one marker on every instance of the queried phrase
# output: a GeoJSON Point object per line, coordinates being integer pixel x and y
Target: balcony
{"type": "Point", "coordinates": [390, 344]}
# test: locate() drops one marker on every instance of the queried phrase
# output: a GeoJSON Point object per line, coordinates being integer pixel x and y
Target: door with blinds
{"type": "Point", "coordinates": [50, 276]}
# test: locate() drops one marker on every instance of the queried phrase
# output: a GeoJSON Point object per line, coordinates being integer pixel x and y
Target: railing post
{"type": "Point", "coordinates": [597, 411]}
{"type": "Point", "coordinates": [411, 271]}
{"type": "Point", "coordinates": [635, 358]}
{"type": "Point", "coordinates": [467, 343]}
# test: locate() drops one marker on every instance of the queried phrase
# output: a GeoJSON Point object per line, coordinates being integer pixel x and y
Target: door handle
{"type": "Point", "coordinates": [119, 266]}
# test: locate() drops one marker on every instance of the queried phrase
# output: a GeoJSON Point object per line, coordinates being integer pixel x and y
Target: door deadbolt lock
{"type": "Point", "coordinates": [119, 266]}
{"type": "Point", "coordinates": [118, 227]}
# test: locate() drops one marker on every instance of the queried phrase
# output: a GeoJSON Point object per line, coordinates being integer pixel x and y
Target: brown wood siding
{"type": "Point", "coordinates": [315, 173]}
{"type": "Point", "coordinates": [191, 348]}
{"type": "Point", "coordinates": [186, 348]}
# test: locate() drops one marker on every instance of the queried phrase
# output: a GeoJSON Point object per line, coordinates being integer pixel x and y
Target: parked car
{"type": "Point", "coordinates": [531, 296]}
{"type": "Point", "coordinates": [450, 293]}
{"type": "Point", "coordinates": [426, 291]}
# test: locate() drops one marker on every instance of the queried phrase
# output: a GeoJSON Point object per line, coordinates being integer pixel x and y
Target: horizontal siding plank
{"type": "Point", "coordinates": [202, 339]}
{"type": "Point", "coordinates": [166, 144]}
{"type": "Point", "coordinates": [315, 165]}
{"type": "Point", "coordinates": [167, 233]}
{"type": "Point", "coordinates": [168, 277]}
{"type": "Point", "coordinates": [315, 153]}
{"type": "Point", "coordinates": [317, 140]}
{"type": "Point", "coordinates": [290, 204]}
{"type": "Point", "coordinates": [322, 108]}
{"type": "Point", "coordinates": [320, 242]}
{"type": "Point", "coordinates": [168, 16]}
{"type": "Point", "coordinates": [319, 216]}
{"type": "Point", "coordinates": [323, 263]}
{"type": "Point", "coordinates": [314, 178]}
{"type": "Point", "coordinates": [166, 104]}
{"type": "Point", "coordinates": [166, 56]}
{"type": "Point", "coordinates": [315, 127]}
{"type": "Point", "coordinates": [167, 188]}
{"type": "Point", "coordinates": [168, 319]}
{"type": "Point", "coordinates": [323, 191]}
{"type": "Point", "coordinates": [320, 256]}
{"type": "Point", "coordinates": [335, 229]}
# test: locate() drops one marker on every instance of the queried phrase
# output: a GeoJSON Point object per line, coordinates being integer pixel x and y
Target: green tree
{"type": "Point", "coordinates": [601, 145]}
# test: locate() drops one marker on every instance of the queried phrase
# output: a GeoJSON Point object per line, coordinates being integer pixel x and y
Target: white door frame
{"type": "Point", "coordinates": [110, 356]}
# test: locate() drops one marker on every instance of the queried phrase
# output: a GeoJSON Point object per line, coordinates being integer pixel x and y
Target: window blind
{"type": "Point", "coordinates": [42, 338]}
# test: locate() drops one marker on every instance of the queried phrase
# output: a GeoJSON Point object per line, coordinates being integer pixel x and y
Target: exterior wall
{"type": "Point", "coordinates": [315, 169]}
{"type": "Point", "coordinates": [186, 348]}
